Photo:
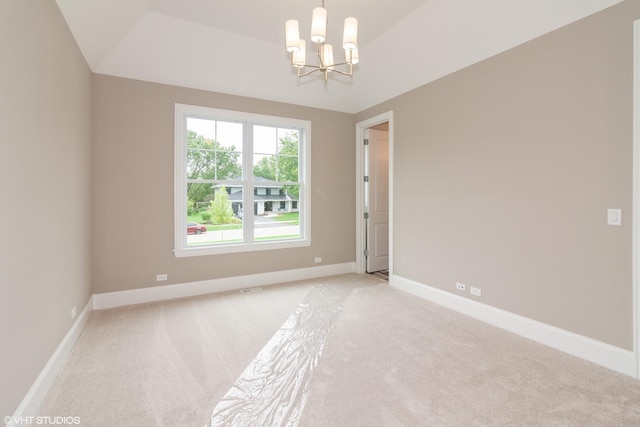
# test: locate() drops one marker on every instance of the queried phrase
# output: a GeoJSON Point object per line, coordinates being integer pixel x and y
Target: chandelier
{"type": "Point", "coordinates": [297, 46]}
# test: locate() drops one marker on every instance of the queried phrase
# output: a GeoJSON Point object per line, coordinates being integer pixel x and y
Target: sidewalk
{"type": "Point", "coordinates": [260, 231]}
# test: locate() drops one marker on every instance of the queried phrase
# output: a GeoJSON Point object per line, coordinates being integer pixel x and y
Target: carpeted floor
{"type": "Point", "coordinates": [363, 354]}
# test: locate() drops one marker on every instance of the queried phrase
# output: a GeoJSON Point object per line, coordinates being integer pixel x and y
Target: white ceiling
{"type": "Point", "coordinates": [237, 47]}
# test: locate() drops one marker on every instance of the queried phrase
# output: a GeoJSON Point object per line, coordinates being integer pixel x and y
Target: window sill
{"type": "Point", "coordinates": [237, 248]}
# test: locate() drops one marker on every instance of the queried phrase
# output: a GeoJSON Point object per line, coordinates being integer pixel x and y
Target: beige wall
{"type": "Point", "coordinates": [44, 190]}
{"type": "Point", "coordinates": [504, 172]}
{"type": "Point", "coordinates": [132, 190]}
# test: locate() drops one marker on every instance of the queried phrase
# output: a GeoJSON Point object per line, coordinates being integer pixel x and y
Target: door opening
{"type": "Point", "coordinates": [365, 195]}
{"type": "Point", "coordinates": [636, 196]}
{"type": "Point", "coordinates": [376, 198]}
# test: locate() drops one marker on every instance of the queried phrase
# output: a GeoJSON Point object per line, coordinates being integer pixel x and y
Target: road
{"type": "Point", "coordinates": [261, 230]}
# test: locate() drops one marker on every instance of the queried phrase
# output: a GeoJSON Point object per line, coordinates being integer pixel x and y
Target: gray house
{"type": "Point", "coordinates": [268, 196]}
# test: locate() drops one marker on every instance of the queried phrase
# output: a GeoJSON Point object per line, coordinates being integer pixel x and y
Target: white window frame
{"type": "Point", "coordinates": [182, 112]}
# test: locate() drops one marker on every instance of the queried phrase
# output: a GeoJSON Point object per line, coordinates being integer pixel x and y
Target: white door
{"type": "Point", "coordinates": [377, 201]}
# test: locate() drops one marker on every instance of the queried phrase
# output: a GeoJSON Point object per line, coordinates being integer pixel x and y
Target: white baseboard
{"type": "Point", "coordinates": [161, 293]}
{"type": "Point", "coordinates": [603, 354]}
{"type": "Point", "coordinates": [41, 385]}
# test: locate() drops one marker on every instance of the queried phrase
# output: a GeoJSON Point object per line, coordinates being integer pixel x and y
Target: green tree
{"type": "Point", "coordinates": [266, 168]}
{"type": "Point", "coordinates": [288, 158]}
{"type": "Point", "coordinates": [207, 159]}
{"type": "Point", "coordinates": [220, 207]}
{"type": "Point", "coordinates": [288, 163]}
{"type": "Point", "coordinates": [283, 166]}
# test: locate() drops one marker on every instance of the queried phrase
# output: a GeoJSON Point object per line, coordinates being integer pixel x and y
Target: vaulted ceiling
{"type": "Point", "coordinates": [237, 47]}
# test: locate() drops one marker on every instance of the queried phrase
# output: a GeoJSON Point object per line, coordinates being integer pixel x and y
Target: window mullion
{"type": "Point", "coordinates": [180, 185]}
{"type": "Point", "coordinates": [247, 183]}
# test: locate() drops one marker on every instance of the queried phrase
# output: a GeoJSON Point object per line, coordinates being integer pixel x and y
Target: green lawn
{"type": "Point", "coordinates": [196, 217]}
{"type": "Point", "coordinates": [293, 217]}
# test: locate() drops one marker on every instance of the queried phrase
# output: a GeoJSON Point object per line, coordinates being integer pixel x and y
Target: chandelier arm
{"type": "Point", "coordinates": [310, 66]}
{"type": "Point", "coordinates": [319, 52]}
{"type": "Point", "coordinates": [344, 73]}
{"type": "Point", "coordinates": [308, 72]}
{"type": "Point", "coordinates": [340, 63]}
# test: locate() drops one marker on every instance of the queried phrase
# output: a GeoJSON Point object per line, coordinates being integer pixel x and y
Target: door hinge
{"type": "Point", "coordinates": [366, 179]}
{"type": "Point", "coordinates": [366, 252]}
{"type": "Point", "coordinates": [366, 215]}
{"type": "Point", "coordinates": [366, 141]}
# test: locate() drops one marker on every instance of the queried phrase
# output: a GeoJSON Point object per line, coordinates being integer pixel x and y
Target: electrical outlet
{"type": "Point", "coordinates": [318, 259]}
{"type": "Point", "coordinates": [73, 312]}
{"type": "Point", "coordinates": [476, 291]}
{"type": "Point", "coordinates": [161, 277]}
{"type": "Point", "coordinates": [461, 287]}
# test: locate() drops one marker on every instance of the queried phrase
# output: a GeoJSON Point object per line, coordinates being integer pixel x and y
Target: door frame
{"type": "Point", "coordinates": [636, 193]}
{"type": "Point", "coordinates": [361, 128]}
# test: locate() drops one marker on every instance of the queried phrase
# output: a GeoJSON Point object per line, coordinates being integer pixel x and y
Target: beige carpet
{"type": "Point", "coordinates": [386, 359]}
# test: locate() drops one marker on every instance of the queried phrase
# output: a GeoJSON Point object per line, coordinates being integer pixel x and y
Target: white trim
{"type": "Point", "coordinates": [41, 385]}
{"type": "Point", "coordinates": [636, 193]}
{"type": "Point", "coordinates": [361, 128]}
{"type": "Point", "coordinates": [162, 293]}
{"type": "Point", "coordinates": [246, 247]}
{"type": "Point", "coordinates": [603, 354]}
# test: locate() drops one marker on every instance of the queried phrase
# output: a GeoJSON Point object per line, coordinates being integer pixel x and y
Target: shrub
{"type": "Point", "coordinates": [220, 207]}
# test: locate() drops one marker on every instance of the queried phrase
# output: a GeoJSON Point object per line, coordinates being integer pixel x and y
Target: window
{"type": "Point", "coordinates": [240, 181]}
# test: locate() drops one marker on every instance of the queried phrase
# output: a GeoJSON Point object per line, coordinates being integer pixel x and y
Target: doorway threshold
{"type": "Point", "coordinates": [382, 274]}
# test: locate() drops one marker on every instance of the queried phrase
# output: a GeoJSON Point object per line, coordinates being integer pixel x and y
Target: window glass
{"type": "Point", "coordinates": [227, 161]}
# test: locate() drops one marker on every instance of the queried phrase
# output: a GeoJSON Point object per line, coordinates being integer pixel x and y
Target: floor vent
{"type": "Point", "coordinates": [250, 290]}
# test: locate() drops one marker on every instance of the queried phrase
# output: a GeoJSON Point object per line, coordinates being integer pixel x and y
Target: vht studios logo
{"type": "Point", "coordinates": [42, 420]}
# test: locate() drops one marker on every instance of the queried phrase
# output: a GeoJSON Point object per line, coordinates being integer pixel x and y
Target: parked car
{"type": "Point", "coordinates": [195, 228]}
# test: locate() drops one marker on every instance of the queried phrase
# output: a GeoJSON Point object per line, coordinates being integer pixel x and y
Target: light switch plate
{"type": "Point", "coordinates": [614, 216]}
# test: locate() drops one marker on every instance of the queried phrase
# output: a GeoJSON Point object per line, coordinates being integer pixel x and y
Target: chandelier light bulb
{"type": "Point", "coordinates": [352, 55]}
{"type": "Point", "coordinates": [327, 56]}
{"type": "Point", "coordinates": [350, 36]}
{"type": "Point", "coordinates": [319, 25]}
{"type": "Point", "coordinates": [299, 57]}
{"type": "Point", "coordinates": [292, 35]}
